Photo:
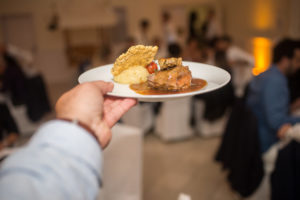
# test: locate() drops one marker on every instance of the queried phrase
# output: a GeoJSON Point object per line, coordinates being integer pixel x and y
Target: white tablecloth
{"type": "Point", "coordinates": [122, 169]}
{"type": "Point", "coordinates": [140, 116]}
{"type": "Point", "coordinates": [173, 121]}
{"type": "Point", "coordinates": [207, 128]}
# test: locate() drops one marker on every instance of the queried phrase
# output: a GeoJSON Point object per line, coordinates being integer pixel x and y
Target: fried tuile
{"type": "Point", "coordinates": [138, 55]}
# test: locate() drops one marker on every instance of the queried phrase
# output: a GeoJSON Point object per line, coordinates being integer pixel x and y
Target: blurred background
{"type": "Point", "coordinates": [160, 150]}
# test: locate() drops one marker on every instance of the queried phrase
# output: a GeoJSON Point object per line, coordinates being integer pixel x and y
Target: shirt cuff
{"type": "Point", "coordinates": [71, 139]}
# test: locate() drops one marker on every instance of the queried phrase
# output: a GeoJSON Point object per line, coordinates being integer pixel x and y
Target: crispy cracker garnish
{"type": "Point", "coordinates": [138, 55]}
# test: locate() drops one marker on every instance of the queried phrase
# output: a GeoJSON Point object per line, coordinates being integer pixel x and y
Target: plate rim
{"type": "Point", "coordinates": [163, 96]}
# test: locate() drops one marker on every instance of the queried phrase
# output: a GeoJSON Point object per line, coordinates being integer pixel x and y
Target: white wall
{"type": "Point", "coordinates": [50, 55]}
{"type": "Point", "coordinates": [152, 9]}
{"type": "Point", "coordinates": [236, 15]}
{"type": "Point", "coordinates": [243, 19]}
{"type": "Point", "coordinates": [295, 19]}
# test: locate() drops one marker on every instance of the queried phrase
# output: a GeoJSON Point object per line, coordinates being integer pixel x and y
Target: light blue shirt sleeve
{"type": "Point", "coordinates": [62, 161]}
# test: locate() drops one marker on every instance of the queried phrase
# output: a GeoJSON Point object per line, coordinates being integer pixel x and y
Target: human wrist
{"type": "Point", "coordinates": [81, 124]}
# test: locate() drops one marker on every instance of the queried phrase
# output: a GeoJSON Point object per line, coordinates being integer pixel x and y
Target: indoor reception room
{"type": "Point", "coordinates": [150, 99]}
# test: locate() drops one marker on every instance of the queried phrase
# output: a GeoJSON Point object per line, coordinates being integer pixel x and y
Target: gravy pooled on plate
{"type": "Point", "coordinates": [143, 88]}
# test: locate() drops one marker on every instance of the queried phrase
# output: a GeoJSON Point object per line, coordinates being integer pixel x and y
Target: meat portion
{"type": "Point", "coordinates": [173, 77]}
{"type": "Point", "coordinates": [166, 63]}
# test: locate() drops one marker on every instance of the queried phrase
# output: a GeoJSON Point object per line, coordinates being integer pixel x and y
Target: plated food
{"type": "Point", "coordinates": [215, 77]}
{"type": "Point", "coordinates": [137, 68]}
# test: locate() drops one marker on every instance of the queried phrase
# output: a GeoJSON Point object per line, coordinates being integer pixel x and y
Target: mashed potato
{"type": "Point", "coordinates": [136, 74]}
{"type": "Point", "coordinates": [138, 55]}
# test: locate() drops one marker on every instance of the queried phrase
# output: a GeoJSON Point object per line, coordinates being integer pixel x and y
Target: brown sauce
{"type": "Point", "coordinates": [144, 89]}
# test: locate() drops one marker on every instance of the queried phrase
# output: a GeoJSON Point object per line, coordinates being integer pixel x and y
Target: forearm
{"type": "Point", "coordinates": [295, 105]}
{"type": "Point", "coordinates": [276, 104]}
{"type": "Point", "coordinates": [62, 161]}
{"type": "Point", "coordinates": [276, 120]}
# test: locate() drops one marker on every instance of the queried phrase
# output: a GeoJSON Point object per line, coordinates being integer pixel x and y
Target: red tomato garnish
{"type": "Point", "coordinates": [152, 67]}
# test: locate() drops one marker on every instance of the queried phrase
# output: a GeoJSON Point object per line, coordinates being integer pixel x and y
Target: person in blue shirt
{"type": "Point", "coordinates": [268, 95]}
{"type": "Point", "coordinates": [63, 159]}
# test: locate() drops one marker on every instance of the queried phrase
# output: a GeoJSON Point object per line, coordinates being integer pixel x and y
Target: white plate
{"type": "Point", "coordinates": [215, 77]}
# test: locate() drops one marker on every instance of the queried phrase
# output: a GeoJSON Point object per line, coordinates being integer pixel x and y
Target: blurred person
{"type": "Point", "coordinates": [286, 175]}
{"type": "Point", "coordinates": [13, 78]}
{"type": "Point", "coordinates": [294, 87]}
{"type": "Point", "coordinates": [192, 24]}
{"type": "Point", "coordinates": [226, 93]}
{"type": "Point", "coordinates": [105, 52]}
{"type": "Point", "coordinates": [174, 50]}
{"type": "Point", "coordinates": [192, 51]}
{"type": "Point", "coordinates": [211, 27]}
{"type": "Point", "coordinates": [181, 35]}
{"type": "Point", "coordinates": [237, 61]}
{"type": "Point", "coordinates": [209, 52]}
{"type": "Point", "coordinates": [9, 132]}
{"type": "Point", "coordinates": [269, 94]}
{"type": "Point", "coordinates": [24, 58]}
{"type": "Point", "coordinates": [128, 43]}
{"type": "Point", "coordinates": [123, 47]}
{"type": "Point", "coordinates": [162, 50]}
{"type": "Point", "coordinates": [214, 106]}
{"type": "Point", "coordinates": [24, 83]}
{"type": "Point", "coordinates": [64, 157]}
{"type": "Point", "coordinates": [234, 55]}
{"type": "Point", "coordinates": [268, 98]}
{"type": "Point", "coordinates": [142, 35]}
{"type": "Point", "coordinates": [169, 29]}
{"type": "Point", "coordinates": [221, 59]}
{"type": "Point", "coordinates": [288, 131]}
